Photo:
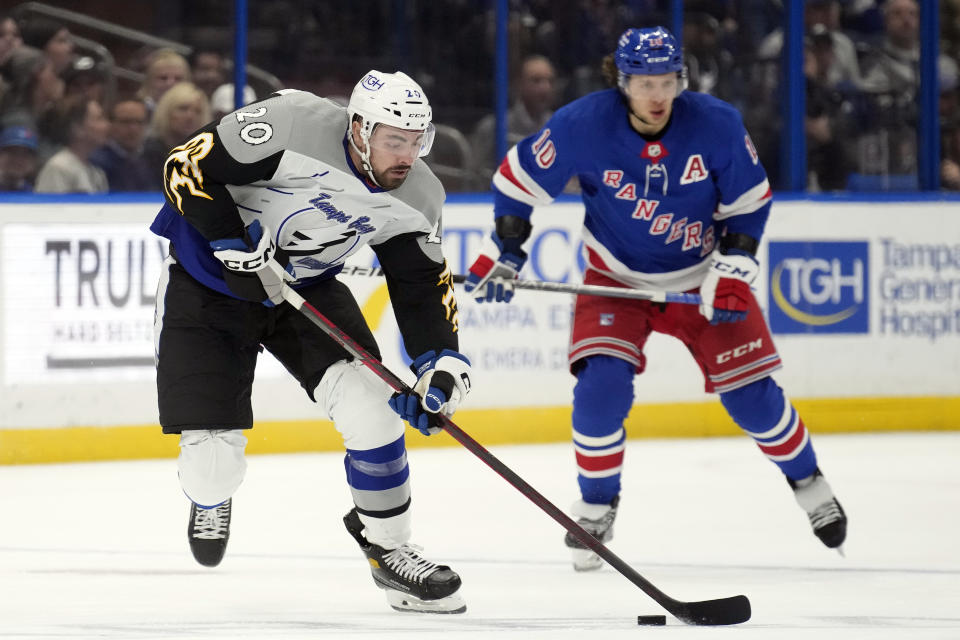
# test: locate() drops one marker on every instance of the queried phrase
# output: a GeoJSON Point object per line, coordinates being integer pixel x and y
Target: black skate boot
{"type": "Point", "coordinates": [597, 520]}
{"type": "Point", "coordinates": [208, 531]}
{"type": "Point", "coordinates": [411, 582]}
{"type": "Point", "coordinates": [827, 518]}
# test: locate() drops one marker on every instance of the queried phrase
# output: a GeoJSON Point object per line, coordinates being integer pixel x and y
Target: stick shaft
{"type": "Point", "coordinates": [563, 287]}
{"type": "Point", "coordinates": [712, 612]}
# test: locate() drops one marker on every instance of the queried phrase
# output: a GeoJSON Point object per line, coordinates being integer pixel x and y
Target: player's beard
{"type": "Point", "coordinates": [388, 181]}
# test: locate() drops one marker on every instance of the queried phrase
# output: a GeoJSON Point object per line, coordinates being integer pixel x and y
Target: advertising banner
{"type": "Point", "coordinates": [860, 304]}
{"type": "Point", "coordinates": [79, 301]}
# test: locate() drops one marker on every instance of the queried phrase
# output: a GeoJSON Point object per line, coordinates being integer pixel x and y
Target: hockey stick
{"type": "Point", "coordinates": [732, 610]}
{"type": "Point", "coordinates": [562, 287]}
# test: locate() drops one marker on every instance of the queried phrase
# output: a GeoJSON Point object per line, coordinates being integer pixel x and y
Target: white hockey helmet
{"type": "Point", "coordinates": [392, 99]}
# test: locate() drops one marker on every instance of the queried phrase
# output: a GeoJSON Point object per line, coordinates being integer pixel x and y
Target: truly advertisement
{"type": "Point", "coordinates": [79, 301]}
{"type": "Point", "coordinates": [819, 287]}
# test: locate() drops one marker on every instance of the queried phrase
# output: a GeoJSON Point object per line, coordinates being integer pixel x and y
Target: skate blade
{"type": "Point", "coordinates": [407, 603]}
{"type": "Point", "coordinates": [840, 551]}
{"type": "Point", "coordinates": [585, 560]}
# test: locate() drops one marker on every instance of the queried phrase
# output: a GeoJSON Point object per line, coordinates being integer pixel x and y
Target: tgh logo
{"type": "Point", "coordinates": [819, 287]}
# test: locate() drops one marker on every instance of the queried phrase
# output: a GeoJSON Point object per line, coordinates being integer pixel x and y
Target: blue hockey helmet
{"type": "Point", "coordinates": [648, 51]}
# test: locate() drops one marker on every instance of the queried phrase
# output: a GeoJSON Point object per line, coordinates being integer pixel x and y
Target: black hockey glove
{"type": "Point", "coordinates": [250, 266]}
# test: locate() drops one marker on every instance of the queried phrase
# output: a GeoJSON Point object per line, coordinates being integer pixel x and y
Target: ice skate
{"type": "Point", "coordinates": [208, 531]}
{"type": "Point", "coordinates": [411, 582]}
{"type": "Point", "coordinates": [597, 520]}
{"type": "Point", "coordinates": [827, 518]}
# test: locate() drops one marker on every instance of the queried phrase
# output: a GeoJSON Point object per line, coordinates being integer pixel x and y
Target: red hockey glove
{"type": "Point", "coordinates": [725, 291]}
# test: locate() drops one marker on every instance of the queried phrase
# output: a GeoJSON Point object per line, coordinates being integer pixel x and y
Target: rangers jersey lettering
{"type": "Point", "coordinates": [654, 206]}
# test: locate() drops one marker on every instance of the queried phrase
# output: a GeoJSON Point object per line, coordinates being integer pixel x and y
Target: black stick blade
{"type": "Point", "coordinates": [713, 612]}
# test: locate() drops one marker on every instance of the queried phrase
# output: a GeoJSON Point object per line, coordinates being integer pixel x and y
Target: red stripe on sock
{"type": "Point", "coordinates": [599, 463]}
{"type": "Point", "coordinates": [789, 446]}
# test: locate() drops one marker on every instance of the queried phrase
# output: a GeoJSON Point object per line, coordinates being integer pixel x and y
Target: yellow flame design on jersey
{"type": "Point", "coordinates": [449, 301]}
{"type": "Point", "coordinates": [182, 170]}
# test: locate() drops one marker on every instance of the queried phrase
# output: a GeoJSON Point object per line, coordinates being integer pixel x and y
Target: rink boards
{"type": "Point", "coordinates": [863, 298]}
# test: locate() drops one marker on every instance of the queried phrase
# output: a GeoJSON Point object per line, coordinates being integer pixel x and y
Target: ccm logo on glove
{"type": "Point", "coordinates": [254, 264]}
{"type": "Point", "coordinates": [725, 292]}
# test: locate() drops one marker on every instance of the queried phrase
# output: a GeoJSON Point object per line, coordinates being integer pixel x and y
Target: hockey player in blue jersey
{"type": "Point", "coordinates": [675, 199]}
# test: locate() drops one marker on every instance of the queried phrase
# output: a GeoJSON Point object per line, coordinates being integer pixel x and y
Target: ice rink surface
{"type": "Point", "coordinates": [99, 550]}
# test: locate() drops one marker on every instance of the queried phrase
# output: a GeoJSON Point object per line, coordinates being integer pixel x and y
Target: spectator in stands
{"type": "Point", "coordinates": [51, 37]}
{"type": "Point", "coordinates": [894, 66]}
{"type": "Point", "coordinates": [828, 159]}
{"type": "Point", "coordinates": [709, 65]}
{"type": "Point", "coordinates": [755, 20]}
{"type": "Point", "coordinates": [18, 158]}
{"type": "Point", "coordinates": [121, 158]}
{"type": "Point", "coordinates": [950, 149]}
{"type": "Point", "coordinates": [208, 70]}
{"type": "Point", "coordinates": [10, 41]}
{"type": "Point", "coordinates": [950, 132]}
{"type": "Point", "coordinates": [536, 94]}
{"type": "Point", "coordinates": [165, 68]}
{"type": "Point", "coordinates": [222, 101]}
{"type": "Point", "coordinates": [86, 78]}
{"type": "Point", "coordinates": [210, 73]}
{"type": "Point", "coordinates": [888, 144]}
{"type": "Point", "coordinates": [574, 35]}
{"type": "Point", "coordinates": [182, 110]}
{"type": "Point", "coordinates": [33, 93]}
{"type": "Point", "coordinates": [950, 28]}
{"type": "Point", "coordinates": [82, 127]}
{"type": "Point", "coordinates": [844, 70]}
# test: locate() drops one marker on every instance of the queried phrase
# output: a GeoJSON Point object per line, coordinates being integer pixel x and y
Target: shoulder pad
{"type": "Point", "coordinates": [261, 129]}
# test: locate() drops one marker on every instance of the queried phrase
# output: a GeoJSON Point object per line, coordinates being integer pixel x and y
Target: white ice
{"type": "Point", "coordinates": [99, 550]}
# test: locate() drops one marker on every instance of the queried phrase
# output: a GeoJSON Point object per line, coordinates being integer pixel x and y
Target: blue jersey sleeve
{"type": "Point", "coordinates": [745, 194]}
{"type": "Point", "coordinates": [537, 169]}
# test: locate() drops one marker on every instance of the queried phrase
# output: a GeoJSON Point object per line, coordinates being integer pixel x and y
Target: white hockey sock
{"type": "Point", "coordinates": [388, 533]}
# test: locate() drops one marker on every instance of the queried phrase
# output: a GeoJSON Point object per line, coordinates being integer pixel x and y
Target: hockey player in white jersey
{"type": "Point", "coordinates": [280, 193]}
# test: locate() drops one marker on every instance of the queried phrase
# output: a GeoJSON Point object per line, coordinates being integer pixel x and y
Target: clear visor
{"type": "Point", "coordinates": [660, 86]}
{"type": "Point", "coordinates": [402, 142]}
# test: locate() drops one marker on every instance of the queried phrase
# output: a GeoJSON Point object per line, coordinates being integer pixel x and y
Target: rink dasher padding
{"type": "Point", "coordinates": [863, 298]}
{"type": "Point", "coordinates": [526, 425]}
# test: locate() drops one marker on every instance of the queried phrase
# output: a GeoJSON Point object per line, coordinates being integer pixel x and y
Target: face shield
{"type": "Point", "coordinates": [658, 87]}
{"type": "Point", "coordinates": [402, 142]}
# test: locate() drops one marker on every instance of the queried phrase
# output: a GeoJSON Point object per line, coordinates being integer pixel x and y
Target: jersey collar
{"type": "Point", "coordinates": [361, 175]}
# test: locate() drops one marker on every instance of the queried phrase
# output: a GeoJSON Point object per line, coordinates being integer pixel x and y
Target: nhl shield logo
{"type": "Point", "coordinates": [654, 151]}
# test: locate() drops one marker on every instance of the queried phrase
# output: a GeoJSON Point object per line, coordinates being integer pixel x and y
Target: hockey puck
{"type": "Point", "coordinates": [654, 621]}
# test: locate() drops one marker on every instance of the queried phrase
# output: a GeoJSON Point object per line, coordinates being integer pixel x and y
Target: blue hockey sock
{"type": "Point", "coordinates": [762, 410]}
{"type": "Point", "coordinates": [379, 479]}
{"type": "Point", "coordinates": [601, 401]}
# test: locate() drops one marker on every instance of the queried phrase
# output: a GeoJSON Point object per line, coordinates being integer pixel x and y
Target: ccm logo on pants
{"type": "Point", "coordinates": [742, 350]}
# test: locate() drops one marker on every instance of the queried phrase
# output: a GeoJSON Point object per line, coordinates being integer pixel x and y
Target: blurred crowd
{"type": "Point", "coordinates": [64, 129]}
{"type": "Point", "coordinates": [61, 131]}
